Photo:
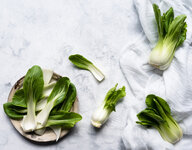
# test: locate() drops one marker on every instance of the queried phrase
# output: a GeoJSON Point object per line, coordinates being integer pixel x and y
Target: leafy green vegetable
{"type": "Point", "coordinates": [18, 106]}
{"type": "Point", "coordinates": [36, 95]}
{"type": "Point", "coordinates": [33, 88]}
{"type": "Point", "coordinates": [158, 115]}
{"type": "Point", "coordinates": [83, 63]}
{"type": "Point", "coordinates": [63, 118]}
{"type": "Point", "coordinates": [56, 97]}
{"type": "Point", "coordinates": [104, 110]}
{"type": "Point", "coordinates": [66, 107]}
{"type": "Point", "coordinates": [70, 98]}
{"type": "Point", "coordinates": [18, 99]}
{"type": "Point", "coordinates": [172, 33]}
{"type": "Point", "coordinates": [68, 101]}
{"type": "Point", "coordinates": [14, 112]}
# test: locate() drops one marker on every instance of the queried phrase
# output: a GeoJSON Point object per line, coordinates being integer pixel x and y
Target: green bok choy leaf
{"type": "Point", "coordinates": [83, 63]}
{"type": "Point", "coordinates": [56, 97]}
{"type": "Point", "coordinates": [14, 112]}
{"type": "Point", "coordinates": [18, 107]}
{"type": "Point", "coordinates": [66, 107]}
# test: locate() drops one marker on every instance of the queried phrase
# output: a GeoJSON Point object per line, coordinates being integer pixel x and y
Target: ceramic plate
{"type": "Point", "coordinates": [49, 135]}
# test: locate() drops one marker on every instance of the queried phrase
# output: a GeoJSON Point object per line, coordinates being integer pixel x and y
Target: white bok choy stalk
{"type": "Point", "coordinates": [102, 113]}
{"type": "Point", "coordinates": [47, 76]}
{"type": "Point", "coordinates": [33, 88]}
{"type": "Point", "coordinates": [48, 87]}
{"type": "Point", "coordinates": [172, 33]}
{"type": "Point", "coordinates": [83, 63]}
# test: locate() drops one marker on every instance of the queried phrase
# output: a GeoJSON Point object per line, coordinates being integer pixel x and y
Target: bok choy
{"type": "Point", "coordinates": [14, 112]}
{"type": "Point", "coordinates": [43, 102]}
{"type": "Point", "coordinates": [65, 107]}
{"type": "Point", "coordinates": [172, 33]}
{"type": "Point", "coordinates": [65, 120]}
{"type": "Point", "coordinates": [102, 113]}
{"type": "Point", "coordinates": [18, 107]}
{"type": "Point", "coordinates": [158, 115]}
{"type": "Point", "coordinates": [56, 97]}
{"type": "Point", "coordinates": [33, 87]}
{"type": "Point", "coordinates": [83, 63]}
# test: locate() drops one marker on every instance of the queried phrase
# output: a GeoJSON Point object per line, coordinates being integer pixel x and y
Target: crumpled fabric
{"type": "Point", "coordinates": [173, 84]}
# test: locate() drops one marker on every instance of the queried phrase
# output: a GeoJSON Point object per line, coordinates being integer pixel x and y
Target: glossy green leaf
{"type": "Point", "coordinates": [13, 111]}
{"type": "Point", "coordinates": [113, 96]}
{"type": "Point", "coordinates": [56, 97]}
{"type": "Point", "coordinates": [83, 63]}
{"type": "Point", "coordinates": [167, 19]}
{"type": "Point", "coordinates": [33, 88]}
{"type": "Point", "coordinates": [18, 99]}
{"type": "Point", "coordinates": [70, 98]}
{"type": "Point", "coordinates": [63, 119]}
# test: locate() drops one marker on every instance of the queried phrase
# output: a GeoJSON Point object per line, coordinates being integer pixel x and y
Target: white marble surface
{"type": "Point", "coordinates": [46, 33]}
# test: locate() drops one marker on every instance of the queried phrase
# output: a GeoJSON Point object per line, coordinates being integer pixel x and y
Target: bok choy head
{"type": "Point", "coordinates": [32, 87]}
{"type": "Point", "coordinates": [158, 115]}
{"type": "Point", "coordinates": [102, 113]}
{"type": "Point", "coordinates": [172, 33]}
{"type": "Point", "coordinates": [83, 63]}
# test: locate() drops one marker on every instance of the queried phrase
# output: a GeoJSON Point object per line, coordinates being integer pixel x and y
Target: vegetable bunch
{"type": "Point", "coordinates": [42, 104]}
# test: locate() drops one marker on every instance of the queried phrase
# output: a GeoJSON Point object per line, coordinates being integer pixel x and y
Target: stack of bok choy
{"type": "Point", "coordinates": [43, 103]}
